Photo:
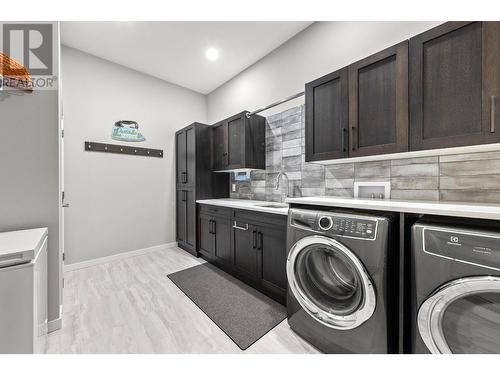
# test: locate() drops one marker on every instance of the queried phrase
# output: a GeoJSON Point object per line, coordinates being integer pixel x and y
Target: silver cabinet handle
{"type": "Point", "coordinates": [492, 120]}
{"type": "Point", "coordinates": [235, 226]}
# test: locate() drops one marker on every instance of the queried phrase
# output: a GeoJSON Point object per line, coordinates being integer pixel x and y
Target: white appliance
{"type": "Point", "coordinates": [23, 291]}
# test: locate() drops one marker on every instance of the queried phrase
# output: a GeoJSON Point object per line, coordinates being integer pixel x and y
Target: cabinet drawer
{"type": "Point", "coordinates": [259, 217]}
{"type": "Point", "coordinates": [215, 210]}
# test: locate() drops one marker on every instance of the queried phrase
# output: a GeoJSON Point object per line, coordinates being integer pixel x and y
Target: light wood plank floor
{"type": "Point", "coordinates": [130, 306]}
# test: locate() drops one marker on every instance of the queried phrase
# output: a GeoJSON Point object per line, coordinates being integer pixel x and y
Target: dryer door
{"type": "Point", "coordinates": [463, 316]}
{"type": "Point", "coordinates": [330, 282]}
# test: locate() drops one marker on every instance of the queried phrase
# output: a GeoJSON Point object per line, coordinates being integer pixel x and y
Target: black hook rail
{"type": "Point", "coordinates": [121, 149]}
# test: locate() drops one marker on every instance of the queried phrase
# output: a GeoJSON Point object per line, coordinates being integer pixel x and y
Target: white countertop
{"type": "Point", "coordinates": [246, 204]}
{"type": "Point", "coordinates": [22, 242]}
{"type": "Point", "coordinates": [457, 209]}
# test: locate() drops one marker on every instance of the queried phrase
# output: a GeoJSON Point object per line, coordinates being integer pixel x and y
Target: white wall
{"type": "Point", "coordinates": [320, 49]}
{"type": "Point", "coordinates": [119, 203]}
{"type": "Point", "coordinates": [29, 171]}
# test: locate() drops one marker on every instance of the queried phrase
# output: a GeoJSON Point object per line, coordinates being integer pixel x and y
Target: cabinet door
{"type": "Point", "coordinates": [190, 204]}
{"type": "Point", "coordinates": [180, 157]}
{"type": "Point", "coordinates": [206, 240]}
{"type": "Point", "coordinates": [272, 247]}
{"type": "Point", "coordinates": [454, 85]}
{"type": "Point", "coordinates": [327, 117]}
{"type": "Point", "coordinates": [219, 146]}
{"type": "Point", "coordinates": [236, 141]}
{"type": "Point", "coordinates": [245, 249]}
{"type": "Point", "coordinates": [190, 156]}
{"type": "Point", "coordinates": [378, 102]}
{"type": "Point", "coordinates": [181, 216]}
{"type": "Point", "coordinates": [222, 248]}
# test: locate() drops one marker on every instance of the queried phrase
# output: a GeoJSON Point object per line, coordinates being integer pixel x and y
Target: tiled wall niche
{"type": "Point", "coordinates": [466, 177]}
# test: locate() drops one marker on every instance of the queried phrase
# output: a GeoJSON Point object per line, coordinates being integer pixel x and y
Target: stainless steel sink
{"type": "Point", "coordinates": [272, 205]}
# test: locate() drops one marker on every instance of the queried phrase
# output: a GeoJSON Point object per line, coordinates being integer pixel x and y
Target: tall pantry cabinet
{"type": "Point", "coordinates": [194, 180]}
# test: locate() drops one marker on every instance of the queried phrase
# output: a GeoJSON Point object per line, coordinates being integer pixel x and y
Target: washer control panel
{"type": "Point", "coordinates": [338, 224]}
{"type": "Point", "coordinates": [348, 226]}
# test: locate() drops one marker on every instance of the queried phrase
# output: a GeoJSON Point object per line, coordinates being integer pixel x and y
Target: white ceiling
{"type": "Point", "coordinates": [175, 51]}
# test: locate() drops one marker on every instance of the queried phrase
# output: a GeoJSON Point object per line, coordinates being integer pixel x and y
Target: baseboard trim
{"type": "Point", "coordinates": [54, 325]}
{"type": "Point", "coordinates": [115, 257]}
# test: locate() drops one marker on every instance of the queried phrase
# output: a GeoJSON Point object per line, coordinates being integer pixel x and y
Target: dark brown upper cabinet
{"type": "Point", "coordinates": [454, 85]}
{"type": "Point", "coordinates": [378, 103]}
{"type": "Point", "coordinates": [239, 142]}
{"type": "Point", "coordinates": [192, 158]}
{"type": "Point", "coordinates": [219, 146]}
{"type": "Point", "coordinates": [327, 117]}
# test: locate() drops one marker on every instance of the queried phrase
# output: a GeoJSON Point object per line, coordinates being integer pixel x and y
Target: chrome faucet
{"type": "Point", "coordinates": [277, 183]}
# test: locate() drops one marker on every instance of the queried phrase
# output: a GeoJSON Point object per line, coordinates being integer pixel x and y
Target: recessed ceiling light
{"type": "Point", "coordinates": [212, 54]}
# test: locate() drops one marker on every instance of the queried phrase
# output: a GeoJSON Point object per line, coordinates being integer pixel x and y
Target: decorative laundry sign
{"type": "Point", "coordinates": [125, 130]}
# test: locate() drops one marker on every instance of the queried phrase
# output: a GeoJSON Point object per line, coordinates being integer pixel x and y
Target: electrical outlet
{"type": "Point", "coordinates": [233, 188]}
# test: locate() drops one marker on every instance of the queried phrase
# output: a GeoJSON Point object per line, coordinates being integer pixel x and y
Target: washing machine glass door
{"type": "Point", "coordinates": [330, 282]}
{"type": "Point", "coordinates": [463, 316]}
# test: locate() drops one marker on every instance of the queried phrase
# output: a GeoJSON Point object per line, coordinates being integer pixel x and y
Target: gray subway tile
{"type": "Point", "coordinates": [415, 183]}
{"type": "Point", "coordinates": [291, 163]}
{"type": "Point", "coordinates": [473, 156]}
{"type": "Point", "coordinates": [422, 160]}
{"type": "Point", "coordinates": [313, 179]}
{"type": "Point", "coordinates": [344, 193]}
{"type": "Point", "coordinates": [313, 192]}
{"type": "Point", "coordinates": [415, 170]}
{"type": "Point", "coordinates": [258, 175]}
{"type": "Point", "coordinates": [373, 169]}
{"type": "Point", "coordinates": [481, 196]}
{"type": "Point", "coordinates": [311, 167]}
{"type": "Point", "coordinates": [339, 183]}
{"type": "Point", "coordinates": [292, 143]}
{"type": "Point", "coordinates": [291, 111]}
{"type": "Point", "coordinates": [428, 195]}
{"type": "Point", "coordinates": [470, 168]}
{"type": "Point", "coordinates": [480, 182]}
{"type": "Point", "coordinates": [294, 135]}
{"type": "Point", "coordinates": [372, 179]}
{"type": "Point", "coordinates": [295, 151]}
{"type": "Point", "coordinates": [273, 118]}
{"type": "Point", "coordinates": [340, 171]}
{"type": "Point", "coordinates": [259, 195]}
{"type": "Point", "coordinates": [256, 184]}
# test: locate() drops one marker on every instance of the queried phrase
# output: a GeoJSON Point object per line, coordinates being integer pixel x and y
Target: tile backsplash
{"type": "Point", "coordinates": [463, 177]}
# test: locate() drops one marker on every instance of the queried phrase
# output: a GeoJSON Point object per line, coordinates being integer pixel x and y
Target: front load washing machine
{"type": "Point", "coordinates": [455, 288]}
{"type": "Point", "coordinates": [342, 281]}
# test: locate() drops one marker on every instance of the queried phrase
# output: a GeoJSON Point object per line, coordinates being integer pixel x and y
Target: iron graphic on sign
{"type": "Point", "coordinates": [125, 130]}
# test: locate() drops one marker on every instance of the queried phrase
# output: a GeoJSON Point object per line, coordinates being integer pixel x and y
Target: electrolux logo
{"type": "Point", "coordinates": [454, 240]}
{"type": "Point", "coordinates": [29, 47]}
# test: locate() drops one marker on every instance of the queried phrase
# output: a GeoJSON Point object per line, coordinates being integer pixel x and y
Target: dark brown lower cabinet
{"type": "Point", "coordinates": [215, 237]}
{"type": "Point", "coordinates": [249, 245]}
{"type": "Point", "coordinates": [272, 242]}
{"type": "Point", "coordinates": [221, 228]}
{"type": "Point", "coordinates": [186, 220]}
{"type": "Point", "coordinates": [206, 237]}
{"type": "Point", "coordinates": [245, 248]}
